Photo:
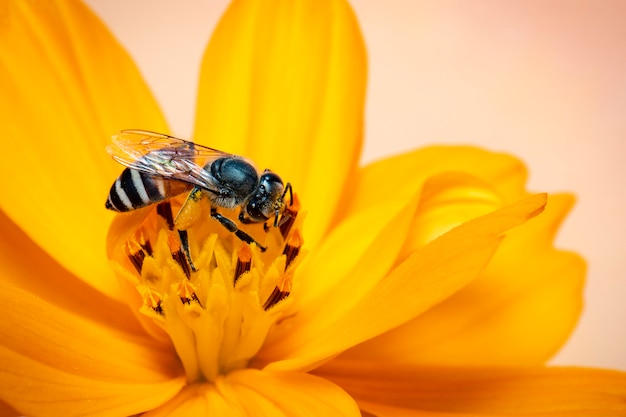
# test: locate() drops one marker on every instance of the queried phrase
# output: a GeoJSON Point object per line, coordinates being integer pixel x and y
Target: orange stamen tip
{"type": "Point", "coordinates": [140, 235]}
{"type": "Point", "coordinates": [136, 253]}
{"type": "Point", "coordinates": [244, 262]}
{"type": "Point", "coordinates": [295, 205]}
{"type": "Point", "coordinates": [292, 248]}
{"type": "Point", "coordinates": [280, 292]}
{"type": "Point", "coordinates": [153, 300]}
{"type": "Point", "coordinates": [244, 254]}
{"type": "Point", "coordinates": [285, 283]}
{"type": "Point", "coordinates": [295, 239]}
{"type": "Point", "coordinates": [173, 242]}
{"type": "Point", "coordinates": [132, 247]}
{"type": "Point", "coordinates": [289, 216]}
{"type": "Point", "coordinates": [186, 292]}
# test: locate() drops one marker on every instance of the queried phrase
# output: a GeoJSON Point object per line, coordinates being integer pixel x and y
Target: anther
{"type": "Point", "coordinates": [178, 255]}
{"type": "Point", "coordinates": [186, 293]}
{"type": "Point", "coordinates": [140, 239]}
{"type": "Point", "coordinates": [244, 262]}
{"type": "Point", "coordinates": [164, 209]}
{"type": "Point", "coordinates": [280, 292]}
{"type": "Point", "coordinates": [292, 248]}
{"type": "Point", "coordinates": [136, 254]}
{"type": "Point", "coordinates": [147, 247]}
{"type": "Point", "coordinates": [153, 300]}
{"type": "Point", "coordinates": [289, 216]}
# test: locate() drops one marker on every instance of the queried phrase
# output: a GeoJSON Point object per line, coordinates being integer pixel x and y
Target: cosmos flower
{"type": "Point", "coordinates": [423, 284]}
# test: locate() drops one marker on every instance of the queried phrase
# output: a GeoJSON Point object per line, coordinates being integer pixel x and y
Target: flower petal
{"type": "Point", "coordinates": [525, 305]}
{"type": "Point", "coordinates": [57, 363]}
{"type": "Point", "coordinates": [7, 411]}
{"type": "Point", "coordinates": [198, 400]}
{"type": "Point", "coordinates": [284, 83]}
{"type": "Point", "coordinates": [25, 265]}
{"type": "Point", "coordinates": [448, 200]}
{"type": "Point", "coordinates": [379, 388]}
{"type": "Point", "coordinates": [67, 87]}
{"type": "Point", "coordinates": [426, 278]}
{"type": "Point", "coordinates": [353, 258]}
{"type": "Point", "coordinates": [250, 392]}
{"type": "Point", "coordinates": [287, 394]}
{"type": "Point", "coordinates": [409, 171]}
{"type": "Point", "coordinates": [351, 262]}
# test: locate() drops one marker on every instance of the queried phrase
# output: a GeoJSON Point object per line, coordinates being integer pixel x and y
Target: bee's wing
{"type": "Point", "coordinates": [164, 156]}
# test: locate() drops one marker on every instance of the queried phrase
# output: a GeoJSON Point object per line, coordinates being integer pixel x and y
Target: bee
{"type": "Point", "coordinates": [159, 167]}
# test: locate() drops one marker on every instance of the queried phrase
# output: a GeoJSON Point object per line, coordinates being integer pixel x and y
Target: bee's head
{"type": "Point", "coordinates": [267, 200]}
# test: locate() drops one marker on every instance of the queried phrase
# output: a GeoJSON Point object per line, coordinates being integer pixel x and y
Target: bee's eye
{"type": "Point", "coordinates": [261, 206]}
{"type": "Point", "coordinates": [270, 180]}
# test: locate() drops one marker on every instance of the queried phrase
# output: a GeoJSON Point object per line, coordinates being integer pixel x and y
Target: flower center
{"type": "Point", "coordinates": [218, 302]}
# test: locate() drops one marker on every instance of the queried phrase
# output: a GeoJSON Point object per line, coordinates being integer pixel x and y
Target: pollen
{"type": "Point", "coordinates": [292, 248]}
{"type": "Point", "coordinates": [244, 262]}
{"type": "Point", "coordinates": [219, 306]}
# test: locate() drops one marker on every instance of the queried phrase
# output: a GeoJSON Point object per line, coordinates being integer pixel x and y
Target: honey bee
{"type": "Point", "coordinates": [160, 166]}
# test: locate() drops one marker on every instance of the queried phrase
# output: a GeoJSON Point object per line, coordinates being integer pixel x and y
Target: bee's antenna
{"type": "Point", "coordinates": [288, 188]}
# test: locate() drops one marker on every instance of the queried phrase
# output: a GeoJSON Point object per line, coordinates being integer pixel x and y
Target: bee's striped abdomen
{"type": "Point", "coordinates": [133, 190]}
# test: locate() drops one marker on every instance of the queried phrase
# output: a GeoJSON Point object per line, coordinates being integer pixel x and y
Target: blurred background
{"type": "Point", "coordinates": [543, 80]}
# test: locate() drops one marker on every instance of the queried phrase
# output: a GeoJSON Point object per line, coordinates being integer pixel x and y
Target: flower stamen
{"type": "Point", "coordinates": [154, 301]}
{"type": "Point", "coordinates": [178, 255]}
{"type": "Point", "coordinates": [186, 293]}
{"type": "Point", "coordinates": [219, 314]}
{"type": "Point", "coordinates": [244, 262]}
{"type": "Point", "coordinates": [292, 248]}
{"type": "Point", "coordinates": [279, 293]}
{"type": "Point", "coordinates": [289, 216]}
{"type": "Point", "coordinates": [137, 255]}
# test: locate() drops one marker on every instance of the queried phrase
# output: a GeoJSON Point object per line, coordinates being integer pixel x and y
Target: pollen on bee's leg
{"type": "Point", "coordinates": [292, 247]}
{"type": "Point", "coordinates": [291, 212]}
{"type": "Point", "coordinates": [244, 262]}
{"type": "Point", "coordinates": [280, 292]}
{"type": "Point", "coordinates": [177, 253]}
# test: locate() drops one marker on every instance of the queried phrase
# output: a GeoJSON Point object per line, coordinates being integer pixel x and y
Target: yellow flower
{"type": "Point", "coordinates": [414, 292]}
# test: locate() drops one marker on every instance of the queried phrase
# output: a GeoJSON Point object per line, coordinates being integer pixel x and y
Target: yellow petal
{"type": "Point", "coordinates": [350, 264]}
{"type": "Point", "coordinates": [67, 86]}
{"type": "Point", "coordinates": [387, 390]}
{"type": "Point", "coordinates": [426, 278]}
{"type": "Point", "coordinates": [289, 394]}
{"type": "Point", "coordinates": [401, 175]}
{"type": "Point", "coordinates": [518, 312]}
{"type": "Point", "coordinates": [198, 400]}
{"type": "Point", "coordinates": [7, 411]}
{"type": "Point", "coordinates": [77, 366]}
{"type": "Point", "coordinates": [27, 266]}
{"type": "Point", "coordinates": [353, 258]}
{"type": "Point", "coordinates": [283, 83]}
{"type": "Point", "coordinates": [250, 392]}
{"type": "Point", "coordinates": [448, 200]}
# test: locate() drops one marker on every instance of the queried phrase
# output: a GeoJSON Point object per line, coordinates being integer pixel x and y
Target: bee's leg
{"type": "Point", "coordinates": [247, 220]}
{"type": "Point", "coordinates": [184, 244]}
{"type": "Point", "coordinates": [243, 219]}
{"type": "Point", "coordinates": [185, 218]}
{"type": "Point", "coordinates": [231, 226]}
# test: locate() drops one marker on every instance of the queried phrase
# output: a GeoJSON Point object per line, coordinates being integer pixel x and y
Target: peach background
{"type": "Point", "coordinates": [544, 80]}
